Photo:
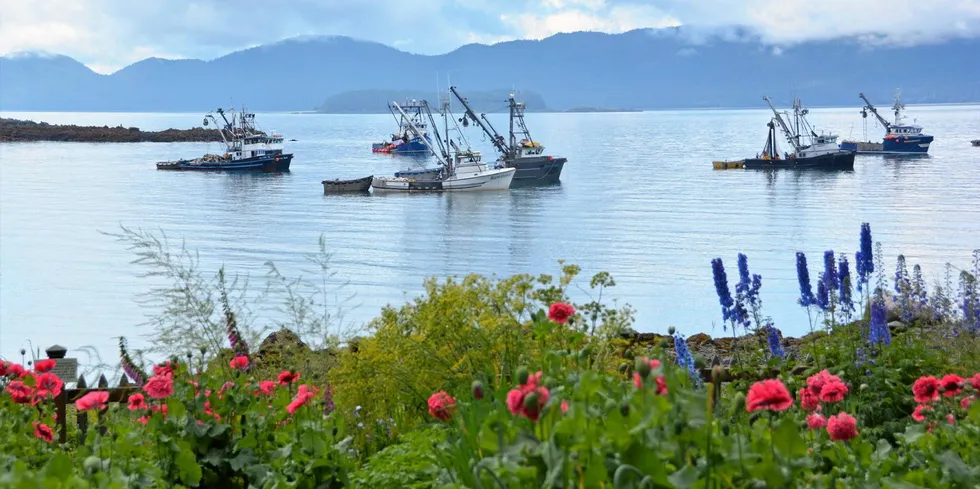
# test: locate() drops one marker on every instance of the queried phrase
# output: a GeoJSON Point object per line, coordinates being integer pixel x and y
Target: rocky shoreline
{"type": "Point", "coordinates": [18, 131]}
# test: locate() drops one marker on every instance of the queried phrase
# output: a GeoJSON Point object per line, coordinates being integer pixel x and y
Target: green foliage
{"type": "Point", "coordinates": [409, 464]}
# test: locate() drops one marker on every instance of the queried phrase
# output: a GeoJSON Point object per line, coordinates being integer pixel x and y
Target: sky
{"type": "Point", "coordinates": [107, 35]}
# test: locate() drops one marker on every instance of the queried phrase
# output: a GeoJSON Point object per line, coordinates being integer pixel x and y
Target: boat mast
{"type": "Point", "coordinates": [415, 130]}
{"type": "Point", "coordinates": [870, 107]}
{"type": "Point", "coordinates": [898, 107]}
{"type": "Point", "coordinates": [782, 124]}
{"type": "Point", "coordinates": [496, 138]}
{"type": "Point", "coordinates": [435, 130]}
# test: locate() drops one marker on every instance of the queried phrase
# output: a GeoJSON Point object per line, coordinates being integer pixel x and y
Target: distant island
{"type": "Point", "coordinates": [376, 101]}
{"type": "Point", "coordinates": [586, 109]}
{"type": "Point", "coordinates": [18, 131]}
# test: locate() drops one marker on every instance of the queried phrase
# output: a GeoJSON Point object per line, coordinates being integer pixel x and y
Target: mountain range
{"type": "Point", "coordinates": [640, 69]}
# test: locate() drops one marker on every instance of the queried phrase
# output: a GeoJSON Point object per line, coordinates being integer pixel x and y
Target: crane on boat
{"type": "Point", "coordinates": [792, 138]}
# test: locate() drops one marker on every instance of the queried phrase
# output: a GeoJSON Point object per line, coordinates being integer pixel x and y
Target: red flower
{"type": "Point", "coordinates": [267, 386]}
{"type": "Point", "coordinates": [225, 387]}
{"type": "Point", "coordinates": [518, 404]}
{"type": "Point", "coordinates": [159, 387]}
{"type": "Point", "coordinates": [15, 371]}
{"type": "Point", "coordinates": [950, 419]}
{"type": "Point", "coordinates": [4, 365]}
{"type": "Point", "coordinates": [638, 379]}
{"type": "Point", "coordinates": [816, 421]}
{"type": "Point", "coordinates": [559, 312]}
{"type": "Point", "coordinates": [816, 381]}
{"type": "Point", "coordinates": [92, 400]}
{"type": "Point", "coordinates": [564, 406]}
{"type": "Point", "coordinates": [768, 394]}
{"type": "Point", "coordinates": [441, 406]}
{"type": "Point", "coordinates": [43, 432]}
{"type": "Point", "coordinates": [159, 408]}
{"type": "Point", "coordinates": [833, 391]}
{"type": "Point", "coordinates": [143, 420]}
{"type": "Point", "coordinates": [926, 389]}
{"type": "Point", "coordinates": [302, 397]}
{"type": "Point", "coordinates": [20, 393]}
{"type": "Point", "coordinates": [661, 386]}
{"type": "Point", "coordinates": [49, 385]}
{"type": "Point", "coordinates": [919, 413]}
{"type": "Point", "coordinates": [965, 403]}
{"type": "Point", "coordinates": [288, 377]}
{"type": "Point", "coordinates": [210, 411]}
{"type": "Point", "coordinates": [975, 382]}
{"type": "Point", "coordinates": [239, 363]}
{"type": "Point", "coordinates": [951, 384]}
{"type": "Point", "coordinates": [137, 402]}
{"type": "Point", "coordinates": [808, 401]}
{"type": "Point", "coordinates": [842, 427]}
{"type": "Point", "coordinates": [42, 366]}
{"type": "Point", "coordinates": [165, 369]}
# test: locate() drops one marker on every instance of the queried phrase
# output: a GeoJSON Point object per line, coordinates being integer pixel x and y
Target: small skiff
{"type": "Point", "coordinates": [357, 185]}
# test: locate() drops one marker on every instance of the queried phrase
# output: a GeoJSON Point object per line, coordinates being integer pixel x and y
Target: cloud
{"type": "Point", "coordinates": [109, 34]}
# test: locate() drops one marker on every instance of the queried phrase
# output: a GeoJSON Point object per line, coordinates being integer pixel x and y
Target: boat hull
{"type": "Point", "coordinates": [269, 164]}
{"type": "Point", "coordinates": [917, 144]}
{"type": "Point", "coordinates": [339, 186]}
{"type": "Point", "coordinates": [536, 170]}
{"type": "Point", "coordinates": [499, 179]}
{"type": "Point", "coordinates": [975, 142]}
{"type": "Point", "coordinates": [414, 146]}
{"type": "Point", "coordinates": [843, 160]}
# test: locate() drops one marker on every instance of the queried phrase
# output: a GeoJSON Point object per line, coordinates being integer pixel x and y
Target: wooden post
{"type": "Point", "coordinates": [61, 412]}
{"type": "Point", "coordinates": [103, 384]}
{"type": "Point", "coordinates": [82, 417]}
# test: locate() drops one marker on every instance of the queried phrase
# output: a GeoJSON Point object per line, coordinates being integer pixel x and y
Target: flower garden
{"type": "Point", "coordinates": [507, 384]}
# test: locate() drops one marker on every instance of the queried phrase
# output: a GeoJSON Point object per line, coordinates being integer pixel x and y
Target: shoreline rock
{"type": "Point", "coordinates": [18, 131]}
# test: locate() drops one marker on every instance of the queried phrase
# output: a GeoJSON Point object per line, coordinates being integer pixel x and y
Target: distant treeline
{"type": "Point", "coordinates": [376, 101]}
{"type": "Point", "coordinates": [13, 130]}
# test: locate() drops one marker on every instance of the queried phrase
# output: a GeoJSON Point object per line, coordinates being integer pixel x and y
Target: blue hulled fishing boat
{"type": "Point", "coordinates": [900, 138]}
{"type": "Point", "coordinates": [246, 148]}
{"type": "Point", "coordinates": [406, 142]}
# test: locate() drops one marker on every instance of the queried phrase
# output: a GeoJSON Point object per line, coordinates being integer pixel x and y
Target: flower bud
{"type": "Point", "coordinates": [477, 390]}
{"type": "Point", "coordinates": [531, 402]}
{"type": "Point", "coordinates": [671, 330]}
{"type": "Point", "coordinates": [643, 367]}
{"type": "Point", "coordinates": [716, 374]}
{"type": "Point", "coordinates": [522, 375]}
{"type": "Point", "coordinates": [624, 367]}
{"type": "Point", "coordinates": [610, 405]}
{"type": "Point", "coordinates": [738, 404]}
{"type": "Point", "coordinates": [624, 409]}
{"type": "Point", "coordinates": [628, 354]}
{"type": "Point", "coordinates": [863, 387]}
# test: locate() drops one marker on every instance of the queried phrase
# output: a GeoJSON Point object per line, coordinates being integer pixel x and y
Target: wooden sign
{"type": "Point", "coordinates": [66, 369]}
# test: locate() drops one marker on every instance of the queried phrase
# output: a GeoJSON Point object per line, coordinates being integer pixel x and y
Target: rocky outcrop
{"type": "Point", "coordinates": [15, 131]}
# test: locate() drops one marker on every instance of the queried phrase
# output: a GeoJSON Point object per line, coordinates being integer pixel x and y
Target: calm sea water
{"type": "Point", "coordinates": [638, 199]}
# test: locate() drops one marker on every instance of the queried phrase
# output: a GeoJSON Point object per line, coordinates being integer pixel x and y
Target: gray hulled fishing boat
{"type": "Point", "coordinates": [525, 154]}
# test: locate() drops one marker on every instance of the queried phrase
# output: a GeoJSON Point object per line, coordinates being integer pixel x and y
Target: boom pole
{"type": "Point", "coordinates": [487, 128]}
{"type": "Point", "coordinates": [415, 130]}
{"type": "Point", "coordinates": [874, 111]}
{"type": "Point", "coordinates": [782, 124]}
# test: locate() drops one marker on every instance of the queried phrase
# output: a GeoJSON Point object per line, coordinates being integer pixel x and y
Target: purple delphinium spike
{"type": "Point", "coordinates": [830, 271]}
{"type": "Point", "coordinates": [328, 404]}
{"type": "Point", "coordinates": [866, 263]}
{"type": "Point", "coordinates": [844, 280]}
{"type": "Point", "coordinates": [685, 359]}
{"type": "Point", "coordinates": [772, 337]}
{"type": "Point", "coordinates": [721, 287]}
{"type": "Point", "coordinates": [823, 300]}
{"type": "Point", "coordinates": [238, 345]}
{"type": "Point", "coordinates": [128, 365]}
{"type": "Point", "coordinates": [803, 275]}
{"type": "Point", "coordinates": [879, 332]}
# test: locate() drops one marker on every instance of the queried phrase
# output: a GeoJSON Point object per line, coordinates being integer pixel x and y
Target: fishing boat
{"type": "Point", "coordinates": [810, 150]}
{"type": "Point", "coordinates": [460, 170]}
{"type": "Point", "coordinates": [975, 142]}
{"type": "Point", "coordinates": [900, 138]}
{"type": "Point", "coordinates": [405, 142]}
{"type": "Point", "coordinates": [520, 151]}
{"type": "Point", "coordinates": [341, 186]}
{"type": "Point", "coordinates": [246, 148]}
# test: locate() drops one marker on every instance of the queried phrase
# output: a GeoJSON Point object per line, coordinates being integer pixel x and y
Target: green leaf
{"type": "Point", "coordinates": [188, 468]}
{"type": "Point", "coordinates": [788, 440]}
{"type": "Point", "coordinates": [684, 478]}
{"type": "Point", "coordinates": [176, 408]}
{"type": "Point", "coordinates": [242, 459]}
{"type": "Point", "coordinates": [59, 466]}
{"type": "Point", "coordinates": [247, 441]}
{"type": "Point", "coordinates": [884, 448]}
{"type": "Point", "coordinates": [959, 471]}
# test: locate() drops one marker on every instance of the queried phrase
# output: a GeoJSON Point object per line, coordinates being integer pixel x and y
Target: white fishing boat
{"type": "Point", "coordinates": [461, 170]}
